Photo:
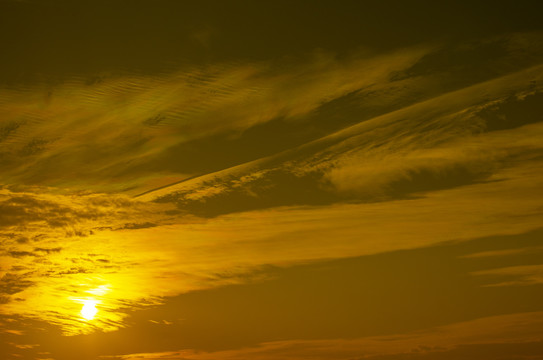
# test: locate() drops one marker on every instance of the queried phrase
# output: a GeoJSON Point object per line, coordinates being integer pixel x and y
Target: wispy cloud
{"type": "Point", "coordinates": [521, 275]}
{"type": "Point", "coordinates": [134, 120]}
{"type": "Point", "coordinates": [441, 143]}
{"type": "Point", "coordinates": [131, 132]}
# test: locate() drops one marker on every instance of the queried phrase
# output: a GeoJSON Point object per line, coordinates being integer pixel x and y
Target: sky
{"type": "Point", "coordinates": [262, 180]}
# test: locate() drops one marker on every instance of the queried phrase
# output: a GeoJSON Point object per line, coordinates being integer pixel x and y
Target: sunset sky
{"type": "Point", "coordinates": [268, 180]}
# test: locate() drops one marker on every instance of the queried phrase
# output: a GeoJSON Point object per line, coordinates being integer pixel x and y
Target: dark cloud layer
{"type": "Point", "coordinates": [62, 37]}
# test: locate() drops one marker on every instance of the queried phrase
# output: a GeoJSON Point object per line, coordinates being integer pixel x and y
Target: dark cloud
{"type": "Point", "coordinates": [21, 253]}
{"type": "Point", "coordinates": [71, 271]}
{"type": "Point", "coordinates": [139, 225]}
{"type": "Point", "coordinates": [22, 240]}
{"type": "Point", "coordinates": [13, 213]}
{"type": "Point", "coordinates": [34, 147]}
{"type": "Point", "coordinates": [13, 283]}
{"type": "Point", "coordinates": [8, 129]}
{"type": "Point", "coordinates": [48, 251]}
{"type": "Point", "coordinates": [154, 120]}
{"type": "Point", "coordinates": [513, 112]}
{"type": "Point", "coordinates": [24, 209]}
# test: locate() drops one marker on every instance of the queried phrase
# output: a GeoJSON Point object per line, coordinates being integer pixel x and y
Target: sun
{"type": "Point", "coordinates": [89, 310]}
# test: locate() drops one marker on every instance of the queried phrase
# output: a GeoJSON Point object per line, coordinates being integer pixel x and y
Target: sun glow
{"type": "Point", "coordinates": [89, 310]}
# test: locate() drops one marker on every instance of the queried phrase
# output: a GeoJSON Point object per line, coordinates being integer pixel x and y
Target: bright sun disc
{"type": "Point", "coordinates": [89, 309]}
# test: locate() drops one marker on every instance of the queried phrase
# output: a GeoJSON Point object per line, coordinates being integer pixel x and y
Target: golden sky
{"type": "Point", "coordinates": [301, 180]}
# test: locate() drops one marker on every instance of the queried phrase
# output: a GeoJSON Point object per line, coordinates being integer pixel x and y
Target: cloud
{"type": "Point", "coordinates": [12, 284]}
{"type": "Point", "coordinates": [445, 142]}
{"type": "Point", "coordinates": [138, 123]}
{"type": "Point", "coordinates": [21, 253]}
{"type": "Point", "coordinates": [47, 208]}
{"type": "Point", "coordinates": [522, 275]}
{"type": "Point", "coordinates": [515, 335]}
{"type": "Point", "coordinates": [139, 225]}
{"type": "Point", "coordinates": [503, 253]}
{"type": "Point", "coordinates": [441, 138]}
{"type": "Point", "coordinates": [128, 132]}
